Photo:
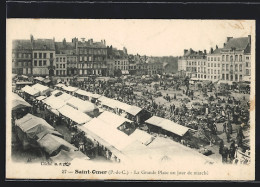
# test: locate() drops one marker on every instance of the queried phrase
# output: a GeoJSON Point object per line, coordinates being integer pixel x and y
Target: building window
{"type": "Point", "coordinates": [211, 71]}
{"type": "Point", "coordinates": [211, 58]}
{"type": "Point", "coordinates": [44, 55]}
{"type": "Point", "coordinates": [247, 71]}
{"type": "Point", "coordinates": [80, 58]}
{"type": "Point", "coordinates": [35, 55]}
{"type": "Point", "coordinates": [35, 63]}
{"type": "Point", "coordinates": [40, 63]}
{"type": "Point", "coordinates": [208, 64]}
{"type": "Point", "coordinates": [60, 65]}
{"type": "Point", "coordinates": [240, 77]}
{"type": "Point", "coordinates": [214, 58]}
{"type": "Point", "coordinates": [236, 58]}
{"type": "Point", "coordinates": [218, 71]}
{"type": "Point", "coordinates": [61, 72]}
{"type": "Point", "coordinates": [231, 58]}
{"type": "Point", "coordinates": [218, 65]}
{"type": "Point", "coordinates": [227, 68]}
{"type": "Point", "coordinates": [218, 58]}
{"type": "Point", "coordinates": [199, 63]}
{"type": "Point", "coordinates": [40, 55]}
{"type": "Point", "coordinates": [215, 71]}
{"type": "Point", "coordinates": [246, 64]}
{"type": "Point", "coordinates": [208, 59]}
{"type": "Point", "coordinates": [236, 66]}
{"type": "Point", "coordinates": [44, 62]}
{"type": "Point", "coordinates": [240, 58]}
{"type": "Point", "coordinates": [223, 76]}
{"type": "Point", "coordinates": [57, 71]}
{"type": "Point", "coordinates": [64, 59]}
{"type": "Point", "coordinates": [227, 77]}
{"type": "Point", "coordinates": [51, 55]}
{"type": "Point", "coordinates": [227, 58]}
{"type": "Point", "coordinates": [247, 58]}
{"type": "Point", "coordinates": [236, 77]}
{"type": "Point", "coordinates": [231, 77]}
{"type": "Point", "coordinates": [214, 64]}
{"type": "Point", "coordinates": [57, 59]}
{"type": "Point", "coordinates": [57, 65]}
{"type": "Point", "coordinates": [63, 65]}
{"type": "Point", "coordinates": [223, 57]}
{"type": "Point", "coordinates": [240, 67]}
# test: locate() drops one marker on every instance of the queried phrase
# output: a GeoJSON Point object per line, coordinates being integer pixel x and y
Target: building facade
{"type": "Point", "coordinates": [195, 64]}
{"type": "Point", "coordinates": [214, 64]}
{"type": "Point", "coordinates": [236, 59]}
{"type": "Point", "coordinates": [155, 68]}
{"type": "Point", "coordinates": [22, 57]}
{"type": "Point", "coordinates": [92, 58]}
{"type": "Point", "coordinates": [43, 57]}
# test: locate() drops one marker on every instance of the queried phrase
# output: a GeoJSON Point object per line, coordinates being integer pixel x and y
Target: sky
{"type": "Point", "coordinates": [146, 37]}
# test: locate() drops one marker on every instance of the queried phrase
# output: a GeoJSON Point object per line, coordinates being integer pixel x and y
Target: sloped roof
{"type": "Point", "coordinates": [112, 119]}
{"type": "Point", "coordinates": [22, 45]}
{"type": "Point", "coordinates": [238, 43]}
{"type": "Point", "coordinates": [51, 143]}
{"type": "Point", "coordinates": [40, 44]}
{"type": "Point", "coordinates": [61, 47]}
{"type": "Point", "coordinates": [73, 114]}
{"type": "Point", "coordinates": [18, 102]}
{"type": "Point", "coordinates": [142, 136]}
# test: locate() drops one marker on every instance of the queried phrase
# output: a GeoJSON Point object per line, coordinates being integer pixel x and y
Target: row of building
{"type": "Point", "coordinates": [46, 57]}
{"type": "Point", "coordinates": [230, 63]}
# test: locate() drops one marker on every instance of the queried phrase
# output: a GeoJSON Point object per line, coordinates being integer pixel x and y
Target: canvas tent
{"type": "Point", "coordinates": [31, 128]}
{"type": "Point", "coordinates": [142, 136]}
{"type": "Point", "coordinates": [31, 91]}
{"type": "Point", "coordinates": [18, 102]}
{"type": "Point", "coordinates": [53, 144]}
{"type": "Point", "coordinates": [68, 156]}
{"type": "Point", "coordinates": [41, 88]}
{"type": "Point", "coordinates": [168, 125]}
{"type": "Point", "coordinates": [73, 114]}
{"type": "Point", "coordinates": [112, 119]}
{"type": "Point", "coordinates": [83, 106]}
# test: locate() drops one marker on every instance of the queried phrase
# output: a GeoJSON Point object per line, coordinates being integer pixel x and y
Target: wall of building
{"type": "Point", "coordinates": [41, 62]}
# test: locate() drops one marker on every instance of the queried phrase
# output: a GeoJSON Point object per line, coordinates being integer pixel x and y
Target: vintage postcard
{"type": "Point", "coordinates": [130, 99]}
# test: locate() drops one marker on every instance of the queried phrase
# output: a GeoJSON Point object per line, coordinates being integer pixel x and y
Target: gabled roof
{"type": "Point", "coordinates": [238, 43]}
{"type": "Point", "coordinates": [43, 44]}
{"type": "Point", "coordinates": [22, 45]}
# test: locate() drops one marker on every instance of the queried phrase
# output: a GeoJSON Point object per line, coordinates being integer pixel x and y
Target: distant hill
{"type": "Point", "coordinates": [172, 62]}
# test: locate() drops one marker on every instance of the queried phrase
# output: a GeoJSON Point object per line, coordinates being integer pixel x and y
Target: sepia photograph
{"type": "Point", "coordinates": [129, 99]}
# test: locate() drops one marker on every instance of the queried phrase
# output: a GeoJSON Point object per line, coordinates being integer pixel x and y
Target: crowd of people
{"type": "Point", "coordinates": [197, 107]}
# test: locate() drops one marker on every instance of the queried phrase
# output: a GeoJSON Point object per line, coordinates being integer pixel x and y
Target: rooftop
{"type": "Point", "coordinates": [237, 43]}
{"type": "Point", "coordinates": [22, 45]}
{"type": "Point", "coordinates": [43, 44]}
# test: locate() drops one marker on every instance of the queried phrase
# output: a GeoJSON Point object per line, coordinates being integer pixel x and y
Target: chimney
{"type": "Point", "coordinates": [90, 41]}
{"type": "Point", "coordinates": [216, 47]}
{"type": "Point", "coordinates": [205, 51]}
{"type": "Point", "coordinates": [228, 38]}
{"type": "Point", "coordinates": [211, 50]}
{"type": "Point", "coordinates": [249, 39]}
{"type": "Point", "coordinates": [64, 42]}
{"type": "Point", "coordinates": [224, 44]}
{"type": "Point", "coordinates": [31, 38]}
{"type": "Point", "coordinates": [185, 51]}
{"type": "Point", "coordinates": [105, 42]}
{"type": "Point", "coordinates": [83, 39]}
